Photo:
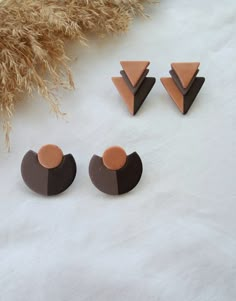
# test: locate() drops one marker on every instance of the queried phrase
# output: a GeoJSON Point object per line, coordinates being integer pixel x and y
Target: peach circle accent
{"type": "Point", "coordinates": [50, 156]}
{"type": "Point", "coordinates": [114, 158]}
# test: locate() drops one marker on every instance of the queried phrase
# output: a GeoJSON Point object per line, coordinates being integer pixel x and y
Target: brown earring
{"type": "Point", "coordinates": [115, 173]}
{"type": "Point", "coordinates": [48, 172]}
{"type": "Point", "coordinates": [134, 85]}
{"type": "Point", "coordinates": [183, 86]}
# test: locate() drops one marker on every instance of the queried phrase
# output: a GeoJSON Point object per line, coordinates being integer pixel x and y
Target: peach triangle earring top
{"type": "Point", "coordinates": [134, 85]}
{"type": "Point", "coordinates": [183, 86]}
{"type": "Point", "coordinates": [185, 72]}
{"type": "Point", "coordinates": [134, 70]}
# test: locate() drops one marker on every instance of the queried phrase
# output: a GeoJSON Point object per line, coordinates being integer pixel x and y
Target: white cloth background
{"type": "Point", "coordinates": [173, 237]}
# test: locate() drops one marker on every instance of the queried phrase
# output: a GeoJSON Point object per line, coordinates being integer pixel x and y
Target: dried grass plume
{"type": "Point", "coordinates": [32, 37]}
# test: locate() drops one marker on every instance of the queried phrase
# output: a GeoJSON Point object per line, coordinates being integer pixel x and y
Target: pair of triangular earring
{"type": "Point", "coordinates": [134, 86]}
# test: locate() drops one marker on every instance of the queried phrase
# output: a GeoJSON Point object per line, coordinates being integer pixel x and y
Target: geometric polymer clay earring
{"type": "Point", "coordinates": [183, 86]}
{"type": "Point", "coordinates": [48, 172]}
{"type": "Point", "coordinates": [115, 173]}
{"type": "Point", "coordinates": [133, 85]}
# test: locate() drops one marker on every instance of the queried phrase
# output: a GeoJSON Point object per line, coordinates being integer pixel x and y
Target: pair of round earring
{"type": "Point", "coordinates": [50, 172]}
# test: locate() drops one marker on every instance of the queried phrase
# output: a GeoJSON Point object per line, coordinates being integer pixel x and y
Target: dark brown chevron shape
{"type": "Point", "coordinates": [47, 181]}
{"type": "Point", "coordinates": [129, 84]}
{"type": "Point", "coordinates": [116, 182]}
{"type": "Point", "coordinates": [183, 102]}
{"type": "Point", "coordinates": [183, 90]}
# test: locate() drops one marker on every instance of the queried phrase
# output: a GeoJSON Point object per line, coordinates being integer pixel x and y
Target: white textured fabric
{"type": "Point", "coordinates": [173, 238]}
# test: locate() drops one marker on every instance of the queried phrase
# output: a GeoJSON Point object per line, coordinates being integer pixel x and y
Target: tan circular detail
{"type": "Point", "coordinates": [114, 158]}
{"type": "Point", "coordinates": [50, 156]}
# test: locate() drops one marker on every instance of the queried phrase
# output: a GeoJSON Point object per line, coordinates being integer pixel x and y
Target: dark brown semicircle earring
{"type": "Point", "coordinates": [48, 172]}
{"type": "Point", "coordinates": [115, 173]}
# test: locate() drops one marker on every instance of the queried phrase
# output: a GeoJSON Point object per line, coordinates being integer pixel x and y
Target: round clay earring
{"type": "Point", "coordinates": [115, 173]}
{"type": "Point", "coordinates": [48, 172]}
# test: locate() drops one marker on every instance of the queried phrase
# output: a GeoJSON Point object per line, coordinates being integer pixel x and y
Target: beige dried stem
{"type": "Point", "coordinates": [32, 37]}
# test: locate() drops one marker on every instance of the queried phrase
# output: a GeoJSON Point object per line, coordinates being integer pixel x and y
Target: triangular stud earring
{"type": "Point", "coordinates": [134, 85]}
{"type": "Point", "coordinates": [183, 86]}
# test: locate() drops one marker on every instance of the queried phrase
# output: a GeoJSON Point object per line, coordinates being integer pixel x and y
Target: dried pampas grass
{"type": "Point", "coordinates": [32, 37]}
